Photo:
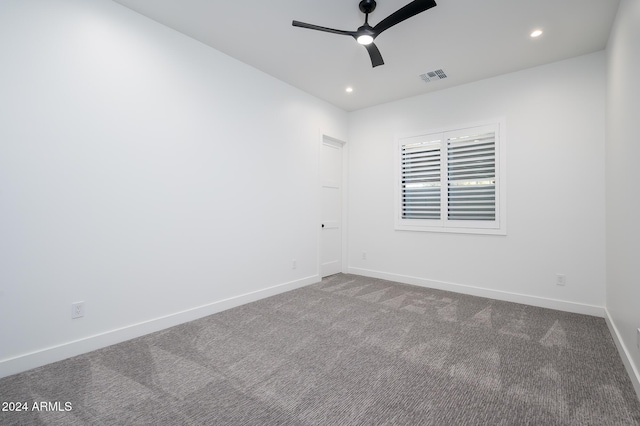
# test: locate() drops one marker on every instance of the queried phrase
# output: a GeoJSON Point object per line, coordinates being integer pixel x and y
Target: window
{"type": "Point", "coordinates": [452, 180]}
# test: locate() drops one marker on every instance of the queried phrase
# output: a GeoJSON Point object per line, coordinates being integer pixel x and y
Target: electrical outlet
{"type": "Point", "coordinates": [364, 255]}
{"type": "Point", "coordinates": [294, 264]}
{"type": "Point", "coordinates": [561, 279]}
{"type": "Point", "coordinates": [77, 310]}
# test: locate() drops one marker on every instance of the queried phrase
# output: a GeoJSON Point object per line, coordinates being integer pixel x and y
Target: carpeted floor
{"type": "Point", "coordinates": [349, 350]}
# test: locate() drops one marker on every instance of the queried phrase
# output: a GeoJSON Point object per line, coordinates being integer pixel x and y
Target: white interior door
{"type": "Point", "coordinates": [331, 216]}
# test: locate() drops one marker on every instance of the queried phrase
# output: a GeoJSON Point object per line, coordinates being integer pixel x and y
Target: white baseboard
{"type": "Point", "coordinates": [541, 302]}
{"type": "Point", "coordinates": [632, 370]}
{"type": "Point", "coordinates": [66, 350]}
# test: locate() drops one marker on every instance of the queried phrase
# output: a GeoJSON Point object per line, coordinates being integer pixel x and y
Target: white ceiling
{"type": "Point", "coordinates": [468, 39]}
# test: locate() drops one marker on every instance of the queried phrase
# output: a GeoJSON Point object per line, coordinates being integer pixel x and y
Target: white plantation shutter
{"type": "Point", "coordinates": [421, 186]}
{"type": "Point", "coordinates": [471, 176]}
{"type": "Point", "coordinates": [450, 181]}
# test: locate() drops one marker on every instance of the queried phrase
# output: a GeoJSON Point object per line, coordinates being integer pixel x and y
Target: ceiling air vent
{"type": "Point", "coordinates": [433, 76]}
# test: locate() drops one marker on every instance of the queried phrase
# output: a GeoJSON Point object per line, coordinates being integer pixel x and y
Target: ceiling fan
{"type": "Point", "coordinates": [366, 33]}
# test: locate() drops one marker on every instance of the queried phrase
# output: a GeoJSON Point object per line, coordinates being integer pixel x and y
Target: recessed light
{"type": "Point", "coordinates": [536, 33]}
{"type": "Point", "coordinates": [349, 89]}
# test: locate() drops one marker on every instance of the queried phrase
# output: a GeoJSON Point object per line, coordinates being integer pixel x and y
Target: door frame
{"type": "Point", "coordinates": [344, 206]}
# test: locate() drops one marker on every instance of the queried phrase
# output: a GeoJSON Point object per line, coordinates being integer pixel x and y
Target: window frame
{"type": "Point", "coordinates": [444, 224]}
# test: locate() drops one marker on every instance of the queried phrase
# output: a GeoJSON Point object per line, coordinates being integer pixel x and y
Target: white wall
{"type": "Point", "coordinates": [555, 189]}
{"type": "Point", "coordinates": [145, 174]}
{"type": "Point", "coordinates": [623, 196]}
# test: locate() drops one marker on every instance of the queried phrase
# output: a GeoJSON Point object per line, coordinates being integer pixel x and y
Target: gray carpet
{"type": "Point", "coordinates": [349, 350]}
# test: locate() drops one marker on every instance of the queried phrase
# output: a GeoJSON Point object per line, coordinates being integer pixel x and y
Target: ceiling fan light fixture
{"type": "Point", "coordinates": [365, 39]}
